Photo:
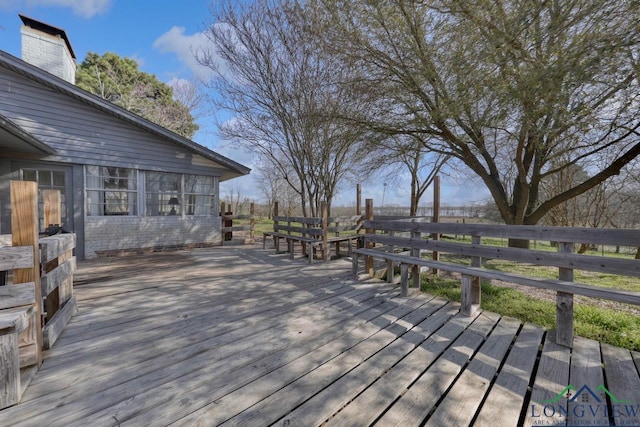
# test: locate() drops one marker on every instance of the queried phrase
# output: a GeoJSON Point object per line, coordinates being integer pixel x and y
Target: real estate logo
{"type": "Point", "coordinates": [585, 406]}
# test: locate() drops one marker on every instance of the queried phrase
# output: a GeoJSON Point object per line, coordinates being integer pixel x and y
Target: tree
{"type": "Point", "coordinates": [402, 153]}
{"type": "Point", "coordinates": [517, 90]}
{"type": "Point", "coordinates": [285, 94]}
{"type": "Point", "coordinates": [275, 188]}
{"type": "Point", "coordinates": [119, 80]}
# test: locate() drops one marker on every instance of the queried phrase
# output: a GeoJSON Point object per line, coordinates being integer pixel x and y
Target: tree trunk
{"type": "Point", "coordinates": [519, 243]}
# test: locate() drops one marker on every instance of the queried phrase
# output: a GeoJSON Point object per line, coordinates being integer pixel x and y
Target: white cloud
{"type": "Point", "coordinates": [83, 8]}
{"type": "Point", "coordinates": [185, 47]}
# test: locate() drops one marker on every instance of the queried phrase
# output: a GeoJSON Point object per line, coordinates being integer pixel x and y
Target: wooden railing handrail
{"type": "Point", "coordinates": [598, 236]}
{"type": "Point", "coordinates": [565, 260]}
{"type": "Point", "coordinates": [609, 265]}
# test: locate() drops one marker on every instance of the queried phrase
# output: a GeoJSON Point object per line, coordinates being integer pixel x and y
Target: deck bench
{"type": "Point", "coordinates": [314, 233]}
{"type": "Point", "coordinates": [565, 260]}
{"type": "Point", "coordinates": [18, 351]}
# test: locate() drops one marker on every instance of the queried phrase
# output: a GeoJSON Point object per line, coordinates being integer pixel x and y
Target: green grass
{"type": "Point", "coordinates": [602, 324]}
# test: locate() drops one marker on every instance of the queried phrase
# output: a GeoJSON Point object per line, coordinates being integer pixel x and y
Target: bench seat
{"type": "Point", "coordinates": [552, 284]}
{"type": "Point", "coordinates": [17, 348]}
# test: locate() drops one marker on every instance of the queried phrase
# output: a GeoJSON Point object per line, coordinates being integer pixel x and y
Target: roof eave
{"type": "Point", "coordinates": [54, 82]}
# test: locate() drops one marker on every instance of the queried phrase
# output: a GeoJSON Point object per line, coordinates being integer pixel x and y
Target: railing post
{"type": "Point", "coordinates": [415, 252]}
{"type": "Point", "coordinates": [404, 280]}
{"type": "Point", "coordinates": [476, 290]}
{"type": "Point", "coordinates": [324, 211]}
{"type": "Point", "coordinates": [436, 216]}
{"type": "Point", "coordinates": [368, 261]}
{"type": "Point", "coordinates": [276, 240]}
{"type": "Point", "coordinates": [24, 231]}
{"type": "Point", "coordinates": [390, 263]}
{"type": "Point", "coordinates": [252, 221]}
{"type": "Point", "coordinates": [470, 286]}
{"type": "Point", "coordinates": [564, 303]}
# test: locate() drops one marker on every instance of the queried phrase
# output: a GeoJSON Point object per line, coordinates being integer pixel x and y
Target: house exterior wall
{"type": "Point", "coordinates": [106, 236]}
{"type": "Point", "coordinates": [83, 135]}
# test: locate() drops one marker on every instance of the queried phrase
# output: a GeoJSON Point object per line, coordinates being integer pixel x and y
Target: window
{"type": "Point", "coordinates": [198, 194]}
{"type": "Point", "coordinates": [176, 194]}
{"type": "Point", "coordinates": [163, 193]}
{"type": "Point", "coordinates": [111, 191]}
{"type": "Point", "coordinates": [48, 180]}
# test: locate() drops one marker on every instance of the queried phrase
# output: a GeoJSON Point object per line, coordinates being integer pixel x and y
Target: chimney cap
{"type": "Point", "coordinates": [49, 29]}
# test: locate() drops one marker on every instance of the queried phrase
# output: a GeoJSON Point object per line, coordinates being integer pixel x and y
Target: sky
{"type": "Point", "coordinates": [161, 36]}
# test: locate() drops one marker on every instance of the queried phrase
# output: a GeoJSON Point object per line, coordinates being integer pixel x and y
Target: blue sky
{"type": "Point", "coordinates": [160, 35]}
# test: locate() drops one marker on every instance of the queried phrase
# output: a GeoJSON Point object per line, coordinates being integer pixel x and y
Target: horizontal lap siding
{"type": "Point", "coordinates": [113, 233]}
{"type": "Point", "coordinates": [83, 134]}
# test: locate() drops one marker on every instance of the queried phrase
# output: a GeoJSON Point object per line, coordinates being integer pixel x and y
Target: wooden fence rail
{"type": "Point", "coordinates": [248, 224]}
{"type": "Point", "coordinates": [414, 238]}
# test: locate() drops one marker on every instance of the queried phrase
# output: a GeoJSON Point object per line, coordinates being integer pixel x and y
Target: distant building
{"type": "Point", "coordinates": [126, 183]}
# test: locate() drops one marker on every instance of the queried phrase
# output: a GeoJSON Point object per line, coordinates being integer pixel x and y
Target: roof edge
{"type": "Point", "coordinates": [18, 132]}
{"type": "Point", "coordinates": [37, 74]}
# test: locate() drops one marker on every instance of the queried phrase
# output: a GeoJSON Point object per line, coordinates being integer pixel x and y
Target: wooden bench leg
{"type": "Point", "coordinates": [564, 319]}
{"type": "Point", "coordinates": [264, 241]}
{"type": "Point", "coordinates": [290, 246]}
{"type": "Point", "coordinates": [10, 372]}
{"type": "Point", "coordinates": [404, 280]}
{"type": "Point", "coordinates": [470, 299]}
{"type": "Point", "coordinates": [354, 265]}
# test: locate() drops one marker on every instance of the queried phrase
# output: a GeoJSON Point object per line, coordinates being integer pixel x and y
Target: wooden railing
{"type": "Point", "coordinates": [37, 299]}
{"type": "Point", "coordinates": [414, 238]}
{"type": "Point", "coordinates": [57, 265]}
{"type": "Point", "coordinates": [247, 224]}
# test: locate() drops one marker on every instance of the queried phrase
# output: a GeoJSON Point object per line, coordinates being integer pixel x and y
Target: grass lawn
{"type": "Point", "coordinates": [602, 324]}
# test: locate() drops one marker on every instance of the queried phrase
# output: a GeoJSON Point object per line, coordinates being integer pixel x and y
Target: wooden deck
{"type": "Point", "coordinates": [241, 336]}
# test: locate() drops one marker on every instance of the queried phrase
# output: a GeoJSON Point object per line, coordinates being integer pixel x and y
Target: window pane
{"type": "Point", "coordinates": [44, 178]}
{"type": "Point", "coordinates": [198, 190]}
{"type": "Point", "coordinates": [58, 179]}
{"type": "Point", "coordinates": [111, 191]}
{"type": "Point", "coordinates": [163, 195]}
{"type": "Point", "coordinates": [29, 175]}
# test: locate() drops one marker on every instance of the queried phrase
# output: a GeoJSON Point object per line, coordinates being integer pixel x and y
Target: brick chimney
{"type": "Point", "coordinates": [49, 48]}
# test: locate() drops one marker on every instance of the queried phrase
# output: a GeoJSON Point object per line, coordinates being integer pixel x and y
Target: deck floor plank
{"type": "Point", "coordinates": [242, 336]}
{"type": "Point", "coordinates": [513, 381]}
{"type": "Point", "coordinates": [463, 399]}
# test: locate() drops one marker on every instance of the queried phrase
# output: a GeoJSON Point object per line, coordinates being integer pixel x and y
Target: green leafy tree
{"type": "Point", "coordinates": [120, 81]}
{"type": "Point", "coordinates": [517, 90]}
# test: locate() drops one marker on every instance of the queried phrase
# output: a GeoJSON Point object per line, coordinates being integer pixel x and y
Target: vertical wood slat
{"type": "Point", "coordinates": [24, 232]}
{"type": "Point", "coordinates": [564, 303]}
{"type": "Point", "coordinates": [52, 208]}
{"type": "Point", "coordinates": [10, 371]}
{"type": "Point", "coordinates": [358, 200]}
{"type": "Point", "coordinates": [52, 216]}
{"type": "Point", "coordinates": [368, 261]}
